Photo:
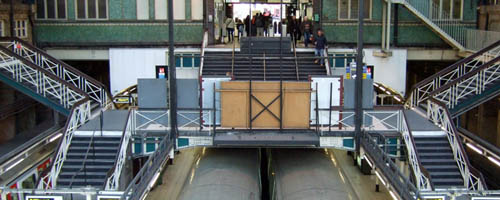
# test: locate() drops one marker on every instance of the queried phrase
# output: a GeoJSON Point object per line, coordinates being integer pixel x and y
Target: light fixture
{"type": "Point", "coordinates": [55, 137]}
{"type": "Point", "coordinates": [393, 195]}
{"type": "Point", "coordinates": [13, 165]}
{"type": "Point", "coordinates": [494, 160]}
{"type": "Point", "coordinates": [379, 177]}
{"type": "Point", "coordinates": [155, 178]}
{"type": "Point", "coordinates": [477, 150]}
{"type": "Point", "coordinates": [368, 161]}
{"type": "Point", "coordinates": [397, 98]}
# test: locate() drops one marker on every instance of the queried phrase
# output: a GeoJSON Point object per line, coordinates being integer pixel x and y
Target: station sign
{"type": "Point", "coordinates": [29, 197]}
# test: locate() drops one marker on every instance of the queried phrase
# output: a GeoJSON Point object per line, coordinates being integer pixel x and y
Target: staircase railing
{"type": "Point", "coordinates": [296, 63]}
{"type": "Point", "coordinates": [40, 80]}
{"type": "Point", "coordinates": [403, 187]}
{"type": "Point", "coordinates": [480, 39]}
{"type": "Point", "coordinates": [113, 180]}
{"type": "Point", "coordinates": [95, 89]}
{"type": "Point", "coordinates": [327, 61]}
{"type": "Point", "coordinates": [439, 114]}
{"type": "Point", "coordinates": [232, 59]}
{"type": "Point", "coordinates": [420, 91]}
{"type": "Point", "coordinates": [204, 44]}
{"type": "Point", "coordinates": [452, 30]}
{"type": "Point", "coordinates": [422, 176]}
{"type": "Point", "coordinates": [80, 114]}
{"type": "Point", "coordinates": [474, 82]}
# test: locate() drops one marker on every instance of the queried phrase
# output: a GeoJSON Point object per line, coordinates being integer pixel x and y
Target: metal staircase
{"type": "Point", "coordinates": [436, 156]}
{"type": "Point", "coordinates": [438, 99]}
{"type": "Point", "coordinates": [88, 161]}
{"type": "Point", "coordinates": [46, 64]}
{"type": "Point", "coordinates": [453, 31]}
{"type": "Point", "coordinates": [263, 66]}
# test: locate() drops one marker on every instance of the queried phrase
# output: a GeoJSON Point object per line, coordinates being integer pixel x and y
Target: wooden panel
{"type": "Point", "coordinates": [235, 104]}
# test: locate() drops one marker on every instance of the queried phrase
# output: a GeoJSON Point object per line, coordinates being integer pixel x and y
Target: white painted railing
{"type": "Point", "coordinates": [423, 182]}
{"type": "Point", "coordinates": [96, 90]}
{"type": "Point", "coordinates": [80, 114]}
{"type": "Point", "coordinates": [438, 114]}
{"type": "Point", "coordinates": [43, 83]}
{"type": "Point", "coordinates": [450, 27]}
{"type": "Point", "coordinates": [476, 84]}
{"type": "Point", "coordinates": [373, 120]}
{"type": "Point", "coordinates": [480, 39]}
{"type": "Point", "coordinates": [113, 181]}
{"type": "Point", "coordinates": [421, 90]}
{"type": "Point", "coordinates": [204, 44]}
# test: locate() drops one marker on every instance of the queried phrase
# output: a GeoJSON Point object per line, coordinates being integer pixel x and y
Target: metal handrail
{"type": "Point", "coordinates": [421, 174]}
{"type": "Point", "coordinates": [473, 82]}
{"type": "Point", "coordinates": [488, 148]}
{"type": "Point", "coordinates": [45, 82]}
{"type": "Point", "coordinates": [113, 175]}
{"type": "Point", "coordinates": [264, 62]}
{"type": "Point", "coordinates": [80, 114]}
{"type": "Point", "coordinates": [84, 162]}
{"type": "Point", "coordinates": [405, 189]}
{"type": "Point", "coordinates": [204, 44]}
{"type": "Point", "coordinates": [61, 70]}
{"type": "Point", "coordinates": [438, 113]}
{"type": "Point", "coordinates": [232, 62]}
{"type": "Point", "coordinates": [296, 63]}
{"type": "Point", "coordinates": [327, 61]}
{"type": "Point", "coordinates": [419, 92]}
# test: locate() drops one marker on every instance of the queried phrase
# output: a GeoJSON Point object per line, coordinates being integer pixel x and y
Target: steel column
{"type": "Point", "coordinates": [359, 77]}
{"type": "Point", "coordinates": [171, 69]}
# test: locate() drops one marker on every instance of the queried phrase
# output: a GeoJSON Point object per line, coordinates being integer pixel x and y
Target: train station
{"type": "Point", "coordinates": [249, 99]}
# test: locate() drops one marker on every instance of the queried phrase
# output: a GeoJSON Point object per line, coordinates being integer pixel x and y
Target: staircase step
{"type": "Point", "coordinates": [450, 174]}
{"type": "Point", "coordinates": [442, 161]}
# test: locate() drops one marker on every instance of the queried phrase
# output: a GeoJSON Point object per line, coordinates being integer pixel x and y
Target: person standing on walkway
{"type": "Point", "coordinates": [259, 23]}
{"type": "Point", "coordinates": [307, 28]}
{"type": "Point", "coordinates": [230, 29]}
{"type": "Point", "coordinates": [247, 25]}
{"type": "Point", "coordinates": [239, 26]}
{"type": "Point", "coordinates": [320, 42]}
{"type": "Point", "coordinates": [293, 29]}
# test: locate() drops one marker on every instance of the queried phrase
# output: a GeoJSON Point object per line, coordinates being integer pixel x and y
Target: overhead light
{"type": "Point", "coordinates": [397, 98]}
{"type": "Point", "coordinates": [155, 178]}
{"type": "Point", "coordinates": [55, 137]}
{"type": "Point", "coordinates": [494, 160]}
{"type": "Point", "coordinates": [393, 195]}
{"type": "Point", "coordinates": [14, 164]}
{"type": "Point", "coordinates": [379, 177]}
{"type": "Point", "coordinates": [368, 161]}
{"type": "Point", "coordinates": [477, 150]}
{"type": "Point", "coordinates": [381, 88]}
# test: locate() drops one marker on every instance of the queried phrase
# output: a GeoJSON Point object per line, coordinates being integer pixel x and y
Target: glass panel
{"type": "Point", "coordinates": [61, 8]}
{"type": "Point", "coordinates": [178, 61]}
{"type": "Point", "coordinates": [457, 7]}
{"type": "Point", "coordinates": [150, 145]}
{"type": "Point", "coordinates": [102, 9]}
{"type": "Point", "coordinates": [354, 9]}
{"type": "Point", "coordinates": [80, 9]}
{"type": "Point", "coordinates": [51, 9]}
{"type": "Point", "coordinates": [29, 183]}
{"type": "Point", "coordinates": [197, 60]}
{"type": "Point", "coordinates": [339, 62]}
{"type": "Point", "coordinates": [40, 9]}
{"type": "Point", "coordinates": [343, 9]}
{"type": "Point", "coordinates": [91, 9]}
{"type": "Point", "coordinates": [187, 61]}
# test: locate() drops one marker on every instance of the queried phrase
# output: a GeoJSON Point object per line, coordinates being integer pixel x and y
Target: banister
{"type": "Point", "coordinates": [450, 68]}
{"type": "Point", "coordinates": [465, 76]}
{"type": "Point", "coordinates": [458, 141]}
{"type": "Point", "coordinates": [296, 63]}
{"type": "Point", "coordinates": [204, 43]}
{"type": "Point", "coordinates": [422, 169]}
{"type": "Point", "coordinates": [63, 64]}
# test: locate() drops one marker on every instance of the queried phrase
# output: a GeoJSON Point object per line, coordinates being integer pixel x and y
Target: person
{"type": "Point", "coordinates": [230, 29]}
{"type": "Point", "coordinates": [259, 23]}
{"type": "Point", "coordinates": [293, 29]}
{"type": "Point", "coordinates": [267, 23]}
{"type": "Point", "coordinates": [320, 42]}
{"type": "Point", "coordinates": [239, 26]}
{"type": "Point", "coordinates": [247, 25]}
{"type": "Point", "coordinates": [307, 28]}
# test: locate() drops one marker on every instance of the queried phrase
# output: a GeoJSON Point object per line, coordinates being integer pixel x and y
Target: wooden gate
{"type": "Point", "coordinates": [263, 105]}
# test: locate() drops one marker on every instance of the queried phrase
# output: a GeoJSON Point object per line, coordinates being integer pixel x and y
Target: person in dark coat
{"type": "Point", "coordinates": [320, 42]}
{"type": "Point", "coordinates": [307, 29]}
{"type": "Point", "coordinates": [247, 25]}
